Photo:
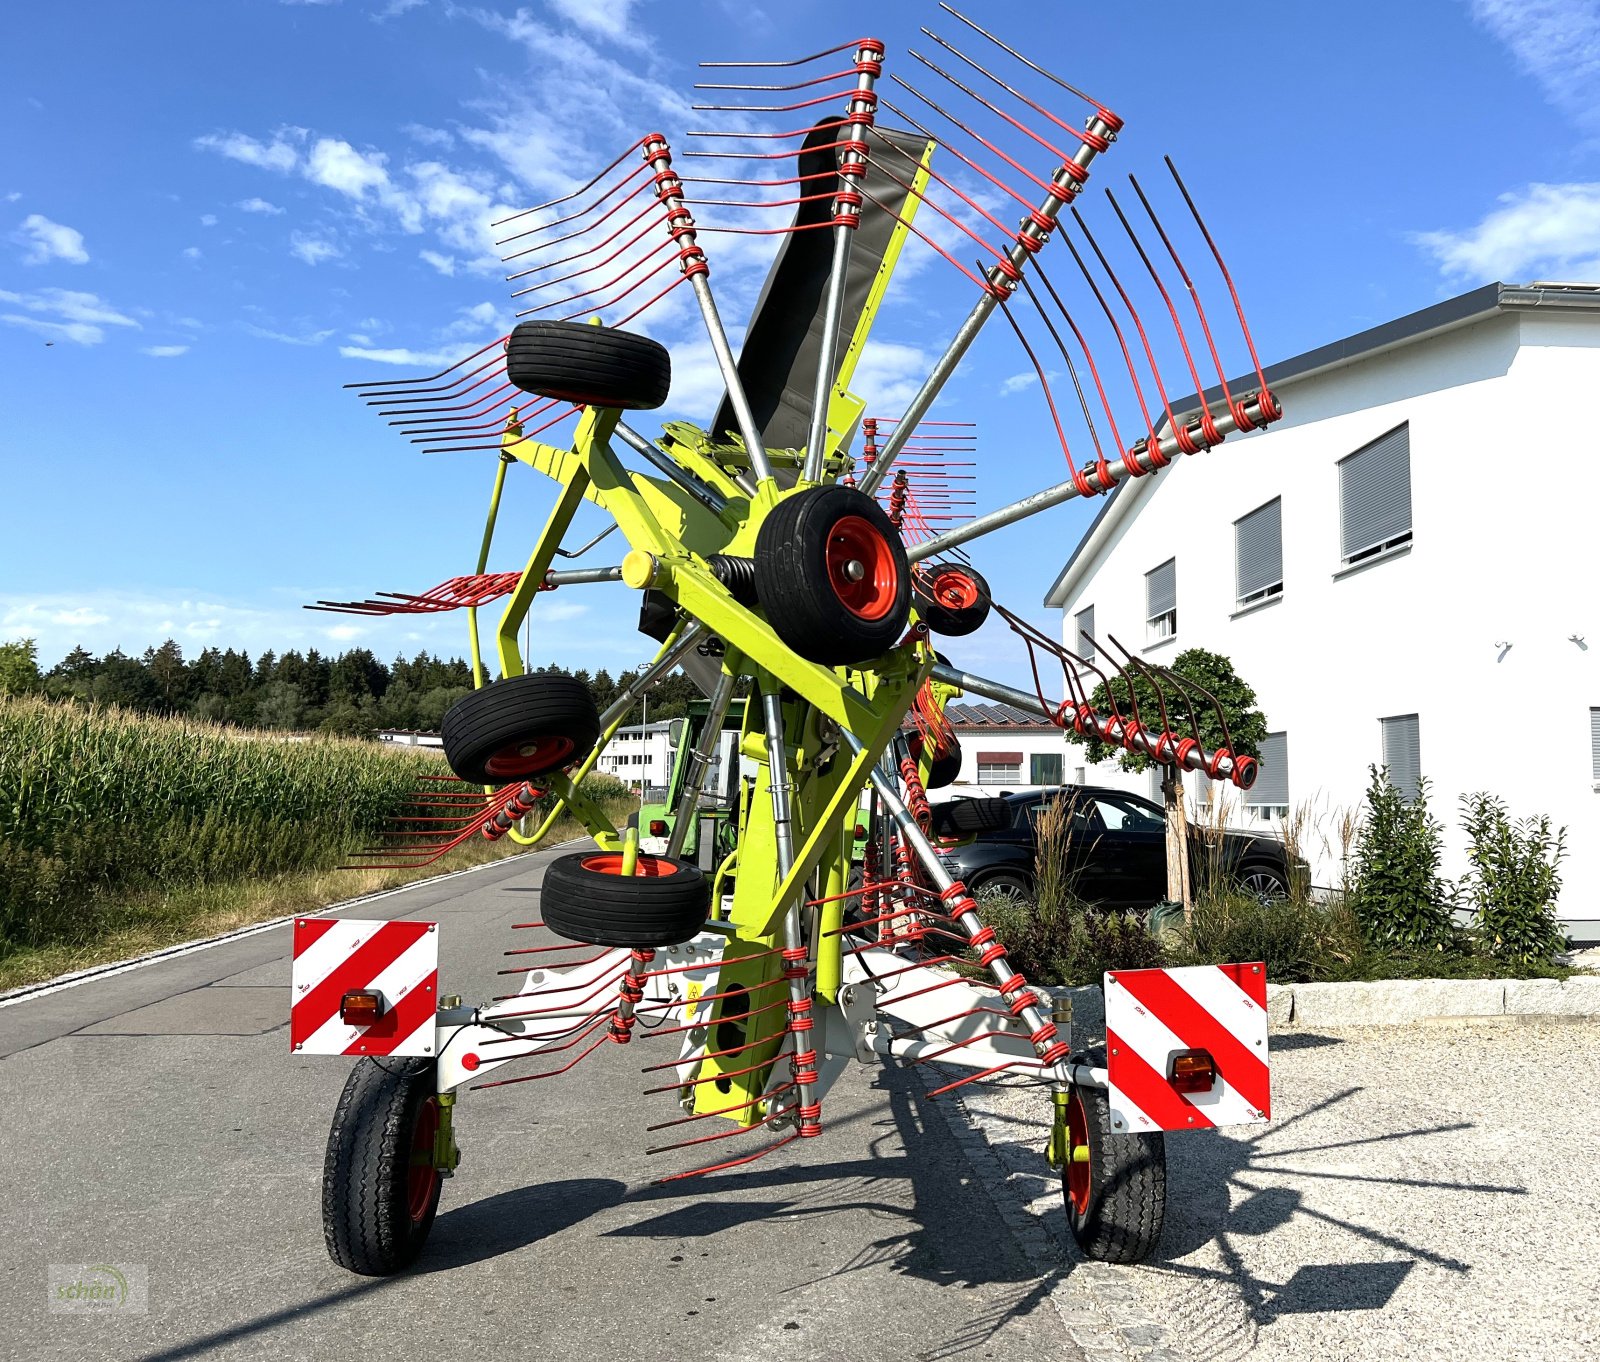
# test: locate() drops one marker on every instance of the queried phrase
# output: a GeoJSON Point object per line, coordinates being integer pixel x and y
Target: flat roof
{"type": "Point", "coordinates": [1461, 310]}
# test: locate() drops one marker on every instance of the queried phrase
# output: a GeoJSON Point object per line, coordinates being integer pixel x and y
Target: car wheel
{"type": "Point", "coordinates": [1011, 889]}
{"type": "Point", "coordinates": [1264, 882]}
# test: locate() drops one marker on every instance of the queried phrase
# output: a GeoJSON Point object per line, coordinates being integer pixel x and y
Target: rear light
{"type": "Point", "coordinates": [361, 1007]}
{"type": "Point", "coordinates": [860, 832]}
{"type": "Point", "coordinates": [658, 827]}
{"type": "Point", "coordinates": [1193, 1071]}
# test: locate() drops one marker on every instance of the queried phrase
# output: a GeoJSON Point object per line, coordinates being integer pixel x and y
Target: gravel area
{"type": "Point", "coordinates": [1422, 1192]}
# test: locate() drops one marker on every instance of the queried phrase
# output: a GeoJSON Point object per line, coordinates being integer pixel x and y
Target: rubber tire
{"type": "Point", "coordinates": [1013, 885]}
{"type": "Point", "coordinates": [792, 578]}
{"type": "Point", "coordinates": [1281, 892]}
{"type": "Point", "coordinates": [944, 770]}
{"type": "Point", "coordinates": [591, 365]}
{"type": "Point", "coordinates": [366, 1216]}
{"type": "Point", "coordinates": [952, 622]}
{"type": "Point", "coordinates": [515, 712]}
{"type": "Point", "coordinates": [968, 817]}
{"type": "Point", "coordinates": [603, 909]}
{"type": "Point", "coordinates": [1127, 1185]}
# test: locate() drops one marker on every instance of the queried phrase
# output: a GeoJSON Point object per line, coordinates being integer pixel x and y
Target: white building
{"type": "Point", "coordinates": [640, 754]}
{"type": "Point", "coordinates": [1004, 749]}
{"type": "Point", "coordinates": [1403, 568]}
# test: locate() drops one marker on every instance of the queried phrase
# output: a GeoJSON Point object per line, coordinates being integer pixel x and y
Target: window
{"type": "Point", "coordinates": [1084, 633]}
{"type": "Point", "coordinates": [1258, 553]}
{"type": "Point", "coordinates": [1375, 497]}
{"type": "Point", "coordinates": [1161, 601]}
{"type": "Point", "coordinates": [999, 768]}
{"type": "Point", "coordinates": [1402, 753]}
{"type": "Point", "coordinates": [1080, 775]}
{"type": "Point", "coordinates": [1269, 796]}
{"type": "Point", "coordinates": [1045, 768]}
{"type": "Point", "coordinates": [1594, 744]}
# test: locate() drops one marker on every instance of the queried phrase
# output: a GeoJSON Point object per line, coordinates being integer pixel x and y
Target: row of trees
{"type": "Point", "coordinates": [352, 694]}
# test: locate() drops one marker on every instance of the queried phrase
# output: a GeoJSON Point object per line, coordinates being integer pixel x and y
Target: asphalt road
{"type": "Point", "coordinates": [157, 1119]}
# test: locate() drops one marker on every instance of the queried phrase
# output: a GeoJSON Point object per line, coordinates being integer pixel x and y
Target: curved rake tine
{"type": "Point", "coordinates": [1032, 66]}
{"type": "Point", "coordinates": [1155, 682]}
{"type": "Point", "coordinates": [1111, 693]}
{"type": "Point", "coordinates": [1216, 705]}
{"type": "Point", "coordinates": [1133, 699]}
{"type": "Point", "coordinates": [1188, 699]}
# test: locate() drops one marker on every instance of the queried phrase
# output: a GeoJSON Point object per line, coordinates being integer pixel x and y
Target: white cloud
{"type": "Point", "coordinates": [13, 196]}
{"type": "Point", "coordinates": [445, 264]}
{"type": "Point", "coordinates": [429, 137]}
{"type": "Point", "coordinates": [338, 165]}
{"type": "Point", "coordinates": [311, 249]}
{"type": "Point", "coordinates": [415, 359]}
{"type": "Point", "coordinates": [260, 206]}
{"type": "Point", "coordinates": [1557, 42]}
{"type": "Point", "coordinates": [165, 351]}
{"type": "Point", "coordinates": [610, 22]}
{"type": "Point", "coordinates": [191, 252]}
{"type": "Point", "coordinates": [65, 315]}
{"type": "Point", "coordinates": [1545, 230]}
{"type": "Point", "coordinates": [395, 8]}
{"type": "Point", "coordinates": [1017, 382]}
{"type": "Point", "coordinates": [208, 219]}
{"type": "Point", "coordinates": [280, 154]}
{"type": "Point", "coordinates": [287, 338]}
{"type": "Point", "coordinates": [44, 241]}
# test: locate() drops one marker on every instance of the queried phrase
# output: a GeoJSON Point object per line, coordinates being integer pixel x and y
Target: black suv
{"type": "Point", "coordinates": [1116, 850]}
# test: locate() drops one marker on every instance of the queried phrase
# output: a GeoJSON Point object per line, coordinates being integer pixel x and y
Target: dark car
{"type": "Point", "coordinates": [1116, 851]}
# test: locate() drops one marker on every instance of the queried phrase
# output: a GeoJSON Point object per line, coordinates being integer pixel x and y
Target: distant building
{"type": "Point", "coordinates": [640, 754]}
{"type": "Point", "coordinates": [1403, 568]}
{"type": "Point", "coordinates": [1004, 748]}
{"type": "Point", "coordinates": [405, 737]}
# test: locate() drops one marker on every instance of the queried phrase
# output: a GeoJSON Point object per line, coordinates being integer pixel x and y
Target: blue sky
{"type": "Point", "coordinates": [212, 215]}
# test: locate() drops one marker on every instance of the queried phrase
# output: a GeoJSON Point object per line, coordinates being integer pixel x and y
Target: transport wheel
{"type": "Point", "coordinates": [952, 598]}
{"type": "Point", "coordinates": [832, 577]}
{"type": "Point", "coordinates": [1116, 1198]}
{"type": "Point", "coordinates": [586, 897]}
{"type": "Point", "coordinates": [380, 1189]}
{"type": "Point", "coordinates": [943, 770]}
{"type": "Point", "coordinates": [520, 727]}
{"type": "Point", "coordinates": [593, 365]}
{"type": "Point", "coordinates": [965, 817]}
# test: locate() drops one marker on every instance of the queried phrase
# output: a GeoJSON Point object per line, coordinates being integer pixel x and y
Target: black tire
{"type": "Point", "coordinates": [968, 817]}
{"type": "Point", "coordinates": [587, 898]}
{"type": "Point", "coordinates": [951, 598]}
{"type": "Point", "coordinates": [803, 550]}
{"type": "Point", "coordinates": [592, 365]}
{"type": "Point", "coordinates": [518, 728]}
{"type": "Point", "coordinates": [1264, 880]}
{"type": "Point", "coordinates": [1016, 889]}
{"type": "Point", "coordinates": [943, 770]}
{"type": "Point", "coordinates": [377, 1205]}
{"type": "Point", "coordinates": [1117, 1201]}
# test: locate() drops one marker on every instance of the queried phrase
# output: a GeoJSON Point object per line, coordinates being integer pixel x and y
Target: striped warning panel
{"type": "Point", "coordinates": [335, 956]}
{"type": "Point", "coordinates": [1154, 1015]}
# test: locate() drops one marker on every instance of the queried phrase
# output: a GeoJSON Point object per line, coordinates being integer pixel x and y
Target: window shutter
{"type": "Point", "coordinates": [1402, 754]}
{"type": "Point", "coordinates": [1161, 588]}
{"type": "Point", "coordinates": [1258, 549]}
{"type": "Point", "coordinates": [1594, 741]}
{"type": "Point", "coordinates": [1000, 758]}
{"type": "Point", "coordinates": [1084, 620]}
{"type": "Point", "coordinates": [1272, 780]}
{"type": "Point", "coordinates": [1375, 493]}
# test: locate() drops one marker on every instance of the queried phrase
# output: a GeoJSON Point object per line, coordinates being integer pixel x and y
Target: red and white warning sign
{"type": "Point", "coordinates": [336, 956]}
{"type": "Point", "coordinates": [1186, 1048]}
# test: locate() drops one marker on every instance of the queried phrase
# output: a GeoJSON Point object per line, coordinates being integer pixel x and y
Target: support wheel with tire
{"type": "Point", "coordinates": [832, 576]}
{"type": "Point", "coordinates": [521, 727]}
{"type": "Point", "coordinates": [952, 598]}
{"type": "Point", "coordinates": [593, 366]}
{"type": "Point", "coordinates": [380, 1188]}
{"type": "Point", "coordinates": [1114, 1185]}
{"type": "Point", "coordinates": [587, 898]}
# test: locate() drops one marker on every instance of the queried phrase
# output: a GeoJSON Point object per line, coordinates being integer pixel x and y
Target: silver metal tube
{"type": "Point", "coordinates": [1064, 191]}
{"type": "Point", "coordinates": [583, 576]}
{"type": "Point", "coordinates": [702, 492]}
{"type": "Point", "coordinates": [699, 763]}
{"type": "Point", "coordinates": [660, 161]}
{"type": "Point", "coordinates": [648, 677]}
{"type": "Point", "coordinates": [1198, 759]}
{"type": "Point", "coordinates": [778, 781]}
{"type": "Point", "coordinates": [1065, 491]}
{"type": "Point", "coordinates": [968, 920]}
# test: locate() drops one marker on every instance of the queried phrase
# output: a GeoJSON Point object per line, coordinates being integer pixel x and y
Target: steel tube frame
{"type": "Point", "coordinates": [705, 494]}
{"type": "Point", "coordinates": [1000, 286]}
{"type": "Point", "coordinates": [700, 762]}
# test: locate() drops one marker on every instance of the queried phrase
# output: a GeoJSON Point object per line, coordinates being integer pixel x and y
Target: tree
{"type": "Point", "coordinates": [281, 706]}
{"type": "Point", "coordinates": [19, 667]}
{"type": "Point", "coordinates": [169, 672]}
{"type": "Point", "coordinates": [1241, 728]}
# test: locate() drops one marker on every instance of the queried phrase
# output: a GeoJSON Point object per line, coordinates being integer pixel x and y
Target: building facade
{"type": "Point", "coordinates": [640, 755]}
{"type": "Point", "coordinates": [1402, 568]}
{"type": "Point", "coordinates": [1004, 749]}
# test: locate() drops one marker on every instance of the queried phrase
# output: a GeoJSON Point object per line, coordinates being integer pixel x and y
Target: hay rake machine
{"type": "Point", "coordinates": [801, 588]}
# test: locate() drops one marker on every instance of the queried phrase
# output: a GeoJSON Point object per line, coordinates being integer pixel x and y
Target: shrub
{"type": "Point", "coordinates": [1514, 880]}
{"type": "Point", "coordinates": [1395, 890]}
{"type": "Point", "coordinates": [1298, 940]}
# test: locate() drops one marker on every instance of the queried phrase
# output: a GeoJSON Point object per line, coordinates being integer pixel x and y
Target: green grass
{"type": "Point", "coordinates": [120, 833]}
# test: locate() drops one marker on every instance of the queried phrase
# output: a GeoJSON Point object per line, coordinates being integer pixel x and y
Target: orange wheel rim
{"type": "Point", "coordinates": [645, 867]}
{"type": "Point", "coordinates": [861, 568]}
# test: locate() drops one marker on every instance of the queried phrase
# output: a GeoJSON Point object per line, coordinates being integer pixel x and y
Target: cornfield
{"type": "Point", "coordinates": [95, 804]}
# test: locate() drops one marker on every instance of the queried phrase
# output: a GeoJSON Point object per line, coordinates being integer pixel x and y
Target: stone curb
{"type": "Point", "coordinates": [1392, 1002]}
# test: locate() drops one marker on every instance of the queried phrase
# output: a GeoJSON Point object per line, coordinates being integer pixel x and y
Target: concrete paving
{"type": "Point", "coordinates": [156, 1118]}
